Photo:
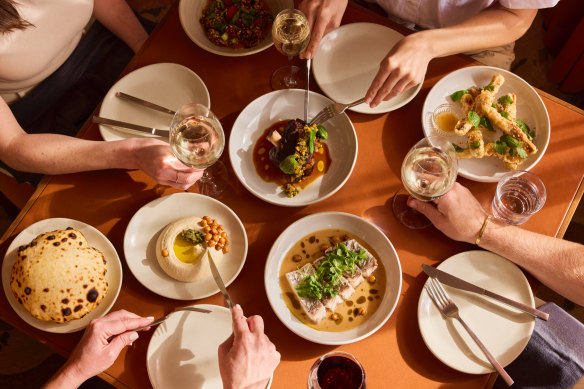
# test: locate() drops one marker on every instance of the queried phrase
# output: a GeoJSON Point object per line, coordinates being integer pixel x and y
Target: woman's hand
{"type": "Point", "coordinates": [402, 68]}
{"type": "Point", "coordinates": [156, 159]}
{"type": "Point", "coordinates": [247, 359]}
{"type": "Point", "coordinates": [323, 16]}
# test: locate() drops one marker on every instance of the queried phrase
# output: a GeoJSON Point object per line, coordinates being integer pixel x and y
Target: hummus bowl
{"type": "Point", "coordinates": [145, 227]}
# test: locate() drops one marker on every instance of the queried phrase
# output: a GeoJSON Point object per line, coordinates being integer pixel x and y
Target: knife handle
{"type": "Point", "coordinates": [515, 304]}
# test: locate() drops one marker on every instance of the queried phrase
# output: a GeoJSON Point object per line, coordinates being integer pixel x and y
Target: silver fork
{"type": "Point", "coordinates": [162, 319]}
{"type": "Point", "coordinates": [331, 111]}
{"type": "Point", "coordinates": [449, 309]}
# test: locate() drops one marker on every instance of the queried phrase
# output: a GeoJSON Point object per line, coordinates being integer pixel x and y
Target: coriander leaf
{"type": "Point", "coordinates": [485, 122]}
{"type": "Point", "coordinates": [489, 87]}
{"type": "Point", "coordinates": [521, 153]}
{"type": "Point", "coordinates": [456, 96]}
{"type": "Point", "coordinates": [475, 145]}
{"type": "Point", "coordinates": [525, 128]}
{"type": "Point", "coordinates": [457, 148]}
{"type": "Point", "coordinates": [511, 142]}
{"type": "Point", "coordinates": [504, 114]}
{"type": "Point", "coordinates": [505, 100]}
{"type": "Point", "coordinates": [474, 118]}
{"type": "Point", "coordinates": [500, 147]}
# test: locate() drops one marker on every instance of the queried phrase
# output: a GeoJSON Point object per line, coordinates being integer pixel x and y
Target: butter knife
{"type": "Point", "coordinates": [145, 103]}
{"type": "Point", "coordinates": [219, 281]}
{"type": "Point", "coordinates": [456, 282]}
{"type": "Point", "coordinates": [127, 127]}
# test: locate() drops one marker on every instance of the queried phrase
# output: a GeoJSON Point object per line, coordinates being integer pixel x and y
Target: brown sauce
{"type": "Point", "coordinates": [347, 311]}
{"type": "Point", "coordinates": [270, 173]}
{"type": "Point", "coordinates": [446, 121]}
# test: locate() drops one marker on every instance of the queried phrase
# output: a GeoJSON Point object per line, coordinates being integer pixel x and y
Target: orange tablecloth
{"type": "Point", "coordinates": [395, 356]}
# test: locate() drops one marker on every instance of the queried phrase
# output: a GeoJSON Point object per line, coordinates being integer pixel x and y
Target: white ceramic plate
{"type": "Point", "coordinates": [167, 84]}
{"type": "Point", "coordinates": [147, 224]}
{"type": "Point", "coordinates": [370, 234]}
{"type": "Point", "coordinates": [530, 109]}
{"type": "Point", "coordinates": [505, 331]}
{"type": "Point", "coordinates": [190, 12]}
{"type": "Point", "coordinates": [289, 104]}
{"type": "Point", "coordinates": [348, 59]}
{"type": "Point", "coordinates": [94, 238]}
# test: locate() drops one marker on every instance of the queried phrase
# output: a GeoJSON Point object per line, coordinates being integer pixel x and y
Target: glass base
{"type": "Point", "coordinates": [214, 180]}
{"type": "Point", "coordinates": [406, 215]}
{"type": "Point", "coordinates": [288, 77]}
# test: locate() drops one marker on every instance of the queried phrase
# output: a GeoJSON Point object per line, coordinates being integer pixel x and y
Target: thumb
{"type": "Point", "coordinates": [121, 341]}
{"type": "Point", "coordinates": [427, 209]}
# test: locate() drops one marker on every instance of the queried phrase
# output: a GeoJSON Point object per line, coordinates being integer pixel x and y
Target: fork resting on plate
{"type": "Point", "coordinates": [449, 309]}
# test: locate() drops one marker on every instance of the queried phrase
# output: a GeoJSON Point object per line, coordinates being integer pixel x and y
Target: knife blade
{"type": "Point", "coordinates": [219, 281]}
{"type": "Point", "coordinates": [456, 282]}
{"type": "Point", "coordinates": [127, 127]}
{"type": "Point", "coordinates": [145, 103]}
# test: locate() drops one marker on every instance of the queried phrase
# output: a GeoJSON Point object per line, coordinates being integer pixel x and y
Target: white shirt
{"type": "Point", "coordinates": [445, 13]}
{"type": "Point", "coordinates": [29, 56]}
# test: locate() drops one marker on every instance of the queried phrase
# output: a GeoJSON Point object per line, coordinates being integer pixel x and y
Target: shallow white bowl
{"type": "Point", "coordinates": [190, 12]}
{"type": "Point", "coordinates": [530, 109]}
{"type": "Point", "coordinates": [370, 234]}
{"type": "Point", "coordinates": [289, 104]}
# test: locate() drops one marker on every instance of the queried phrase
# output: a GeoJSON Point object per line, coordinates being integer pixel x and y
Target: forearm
{"type": "Point", "coordinates": [118, 17]}
{"type": "Point", "coordinates": [67, 377]}
{"type": "Point", "coordinates": [495, 26]}
{"type": "Point", "coordinates": [557, 263]}
{"type": "Point", "coordinates": [57, 154]}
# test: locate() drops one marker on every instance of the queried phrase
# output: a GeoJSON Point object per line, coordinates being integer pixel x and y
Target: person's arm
{"type": "Point", "coordinates": [247, 359]}
{"type": "Point", "coordinates": [59, 154]}
{"type": "Point", "coordinates": [118, 17]}
{"type": "Point", "coordinates": [94, 353]}
{"type": "Point", "coordinates": [406, 63]}
{"type": "Point", "coordinates": [323, 16]}
{"type": "Point", "coordinates": [557, 263]}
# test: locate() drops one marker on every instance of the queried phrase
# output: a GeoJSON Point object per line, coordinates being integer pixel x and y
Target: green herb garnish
{"type": "Point", "coordinates": [457, 148]}
{"type": "Point", "coordinates": [311, 139]}
{"type": "Point", "coordinates": [525, 128]}
{"type": "Point", "coordinates": [192, 236]}
{"type": "Point", "coordinates": [490, 87]}
{"type": "Point", "coordinates": [504, 114]}
{"type": "Point", "coordinates": [475, 145]}
{"type": "Point", "coordinates": [485, 122]}
{"type": "Point", "coordinates": [456, 96]}
{"type": "Point", "coordinates": [500, 147]}
{"type": "Point", "coordinates": [474, 118]}
{"type": "Point", "coordinates": [321, 133]}
{"type": "Point", "coordinates": [289, 164]}
{"type": "Point", "coordinates": [505, 100]}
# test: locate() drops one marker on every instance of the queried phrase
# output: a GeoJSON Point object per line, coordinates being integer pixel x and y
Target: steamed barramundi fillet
{"type": "Point", "coordinates": [314, 308]}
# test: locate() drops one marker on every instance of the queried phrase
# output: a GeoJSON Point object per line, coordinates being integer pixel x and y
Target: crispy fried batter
{"type": "Point", "coordinates": [511, 162]}
{"type": "Point", "coordinates": [511, 128]}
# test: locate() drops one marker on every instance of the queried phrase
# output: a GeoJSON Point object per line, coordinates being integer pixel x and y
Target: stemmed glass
{"type": "Point", "coordinates": [291, 33]}
{"type": "Point", "coordinates": [197, 140]}
{"type": "Point", "coordinates": [428, 171]}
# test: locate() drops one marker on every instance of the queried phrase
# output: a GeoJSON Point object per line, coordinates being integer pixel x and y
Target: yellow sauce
{"type": "Point", "coordinates": [446, 121]}
{"type": "Point", "coordinates": [367, 295]}
{"type": "Point", "coordinates": [184, 250]}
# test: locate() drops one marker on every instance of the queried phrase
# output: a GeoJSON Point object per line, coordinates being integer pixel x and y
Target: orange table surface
{"type": "Point", "coordinates": [395, 356]}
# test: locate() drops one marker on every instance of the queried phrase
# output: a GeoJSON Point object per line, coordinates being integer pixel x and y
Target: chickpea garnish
{"type": "Point", "coordinates": [224, 234]}
{"type": "Point", "coordinates": [324, 247]}
{"type": "Point", "coordinates": [296, 258]}
{"type": "Point", "coordinates": [214, 231]}
{"type": "Point", "coordinates": [225, 250]}
{"type": "Point", "coordinates": [218, 247]}
{"type": "Point", "coordinates": [335, 316]}
{"type": "Point", "coordinates": [164, 253]}
{"type": "Point", "coordinates": [371, 279]}
{"type": "Point", "coordinates": [207, 219]}
{"type": "Point", "coordinates": [335, 239]}
{"type": "Point", "coordinates": [361, 311]}
{"type": "Point", "coordinates": [207, 229]}
{"type": "Point", "coordinates": [203, 222]}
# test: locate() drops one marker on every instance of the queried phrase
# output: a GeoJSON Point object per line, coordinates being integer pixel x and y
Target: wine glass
{"type": "Point", "coordinates": [428, 171]}
{"type": "Point", "coordinates": [197, 140]}
{"type": "Point", "coordinates": [291, 33]}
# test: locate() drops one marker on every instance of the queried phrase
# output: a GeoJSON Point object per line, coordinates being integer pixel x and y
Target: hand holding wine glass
{"type": "Point", "coordinates": [428, 171]}
{"type": "Point", "coordinates": [197, 140]}
{"type": "Point", "coordinates": [291, 34]}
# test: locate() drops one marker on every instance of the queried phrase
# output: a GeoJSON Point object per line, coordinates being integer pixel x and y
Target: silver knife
{"type": "Point", "coordinates": [144, 103]}
{"type": "Point", "coordinates": [456, 282]}
{"type": "Point", "coordinates": [127, 127]}
{"type": "Point", "coordinates": [306, 91]}
{"type": "Point", "coordinates": [219, 281]}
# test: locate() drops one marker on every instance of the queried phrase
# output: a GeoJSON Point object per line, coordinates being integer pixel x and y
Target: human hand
{"type": "Point", "coordinates": [94, 353]}
{"type": "Point", "coordinates": [156, 159]}
{"type": "Point", "coordinates": [247, 359]}
{"type": "Point", "coordinates": [403, 67]}
{"type": "Point", "coordinates": [323, 16]}
{"type": "Point", "coordinates": [457, 214]}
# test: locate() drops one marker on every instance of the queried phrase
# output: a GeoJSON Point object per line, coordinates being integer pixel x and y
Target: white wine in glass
{"type": "Point", "coordinates": [429, 171]}
{"type": "Point", "coordinates": [291, 34]}
{"type": "Point", "coordinates": [197, 140]}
